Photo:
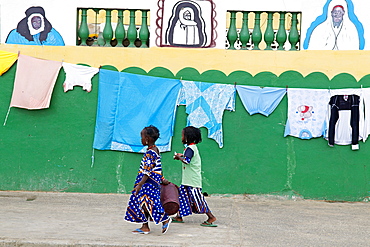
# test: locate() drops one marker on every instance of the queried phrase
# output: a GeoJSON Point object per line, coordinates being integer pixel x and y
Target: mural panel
{"type": "Point", "coordinates": [35, 29]}
{"type": "Point", "coordinates": [338, 28]}
{"type": "Point", "coordinates": [186, 23]}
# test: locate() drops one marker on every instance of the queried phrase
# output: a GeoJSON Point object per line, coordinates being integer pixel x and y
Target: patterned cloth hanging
{"type": "Point", "coordinates": [205, 104]}
{"type": "Point", "coordinates": [307, 112]}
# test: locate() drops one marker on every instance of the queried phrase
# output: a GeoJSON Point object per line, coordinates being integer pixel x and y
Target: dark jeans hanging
{"type": "Point", "coordinates": [344, 102]}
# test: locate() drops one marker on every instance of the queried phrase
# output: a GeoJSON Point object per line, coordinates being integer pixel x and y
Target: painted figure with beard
{"type": "Point", "coordinates": [340, 30]}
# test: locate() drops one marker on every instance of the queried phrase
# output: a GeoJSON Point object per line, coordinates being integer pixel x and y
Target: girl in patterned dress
{"type": "Point", "coordinates": [144, 203]}
{"type": "Point", "coordinates": [190, 191]}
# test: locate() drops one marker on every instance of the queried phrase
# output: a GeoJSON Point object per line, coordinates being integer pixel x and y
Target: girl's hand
{"type": "Point", "coordinates": [177, 156]}
{"type": "Point", "coordinates": [165, 181]}
{"type": "Point", "coordinates": [137, 189]}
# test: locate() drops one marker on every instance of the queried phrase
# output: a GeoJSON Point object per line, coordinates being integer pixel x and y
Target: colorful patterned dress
{"type": "Point", "coordinates": [149, 195]}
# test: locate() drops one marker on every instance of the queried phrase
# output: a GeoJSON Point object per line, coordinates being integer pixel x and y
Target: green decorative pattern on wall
{"type": "Point", "coordinates": [51, 149]}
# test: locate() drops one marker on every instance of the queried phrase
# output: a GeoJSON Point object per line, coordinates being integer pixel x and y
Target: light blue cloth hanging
{"type": "Point", "coordinates": [260, 100]}
{"type": "Point", "coordinates": [205, 104]}
{"type": "Point", "coordinates": [127, 103]}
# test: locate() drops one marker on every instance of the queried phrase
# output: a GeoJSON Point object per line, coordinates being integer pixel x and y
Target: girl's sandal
{"type": "Point", "coordinates": [139, 231]}
{"type": "Point", "coordinates": [174, 220]}
{"type": "Point", "coordinates": [207, 224]}
{"type": "Point", "coordinates": [166, 226]}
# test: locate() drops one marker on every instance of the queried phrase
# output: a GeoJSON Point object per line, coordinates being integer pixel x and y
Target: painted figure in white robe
{"type": "Point", "coordinates": [186, 26]}
{"type": "Point", "coordinates": [337, 32]}
{"type": "Point", "coordinates": [186, 30]}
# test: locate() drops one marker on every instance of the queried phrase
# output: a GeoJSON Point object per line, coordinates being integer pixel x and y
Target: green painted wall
{"type": "Point", "coordinates": [51, 149]}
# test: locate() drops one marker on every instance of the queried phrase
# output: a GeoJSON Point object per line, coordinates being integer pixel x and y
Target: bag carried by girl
{"type": "Point", "coordinates": [170, 198]}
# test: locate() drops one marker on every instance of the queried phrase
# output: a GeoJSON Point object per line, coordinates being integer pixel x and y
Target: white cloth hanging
{"type": "Point", "coordinates": [78, 75]}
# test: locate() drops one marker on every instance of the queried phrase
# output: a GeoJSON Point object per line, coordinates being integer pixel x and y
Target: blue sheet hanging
{"type": "Point", "coordinates": [127, 103]}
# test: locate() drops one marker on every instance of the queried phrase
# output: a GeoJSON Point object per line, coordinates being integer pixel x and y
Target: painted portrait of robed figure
{"type": "Point", "coordinates": [35, 29]}
{"type": "Point", "coordinates": [187, 23]}
{"type": "Point", "coordinates": [338, 28]}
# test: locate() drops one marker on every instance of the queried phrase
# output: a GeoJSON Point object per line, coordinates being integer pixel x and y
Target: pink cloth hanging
{"type": "Point", "coordinates": [34, 82]}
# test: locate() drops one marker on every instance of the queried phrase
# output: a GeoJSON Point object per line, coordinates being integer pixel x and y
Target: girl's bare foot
{"type": "Point", "coordinates": [211, 219]}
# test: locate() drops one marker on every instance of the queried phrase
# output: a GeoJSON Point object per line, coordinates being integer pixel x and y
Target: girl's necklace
{"type": "Point", "coordinates": [151, 147]}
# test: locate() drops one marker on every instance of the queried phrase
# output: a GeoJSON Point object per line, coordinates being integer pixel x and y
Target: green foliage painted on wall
{"type": "Point", "coordinates": [51, 149]}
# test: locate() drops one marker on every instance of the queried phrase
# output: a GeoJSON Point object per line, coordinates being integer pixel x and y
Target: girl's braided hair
{"type": "Point", "coordinates": [152, 132]}
{"type": "Point", "coordinates": [192, 135]}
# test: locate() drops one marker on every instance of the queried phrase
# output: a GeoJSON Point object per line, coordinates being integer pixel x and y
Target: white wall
{"type": "Point", "coordinates": [62, 14]}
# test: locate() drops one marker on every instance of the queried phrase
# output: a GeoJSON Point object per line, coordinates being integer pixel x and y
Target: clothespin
{"type": "Point", "coordinates": [286, 88]}
{"type": "Point", "coordinates": [19, 52]}
{"type": "Point", "coordinates": [235, 84]}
